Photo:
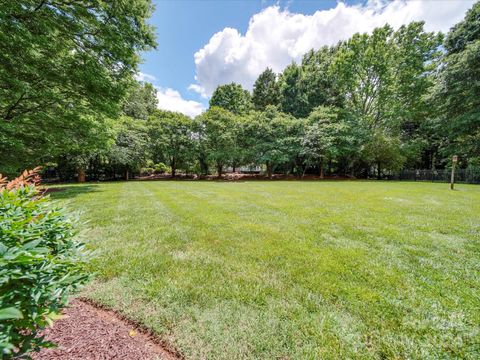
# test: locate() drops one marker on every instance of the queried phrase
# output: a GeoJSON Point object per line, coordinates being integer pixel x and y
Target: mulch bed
{"type": "Point", "coordinates": [88, 332]}
{"type": "Point", "coordinates": [241, 177]}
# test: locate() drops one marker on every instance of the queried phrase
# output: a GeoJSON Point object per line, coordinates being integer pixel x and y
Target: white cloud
{"type": "Point", "coordinates": [144, 77]}
{"type": "Point", "coordinates": [198, 89]}
{"type": "Point", "coordinates": [275, 37]}
{"type": "Point", "coordinates": [169, 99]}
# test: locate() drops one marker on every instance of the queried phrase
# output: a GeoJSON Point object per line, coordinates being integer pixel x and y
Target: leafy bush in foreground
{"type": "Point", "coordinates": [40, 264]}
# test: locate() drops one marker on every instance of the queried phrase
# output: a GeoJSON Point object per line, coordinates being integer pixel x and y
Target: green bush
{"type": "Point", "coordinates": [40, 265]}
{"type": "Point", "coordinates": [161, 168]}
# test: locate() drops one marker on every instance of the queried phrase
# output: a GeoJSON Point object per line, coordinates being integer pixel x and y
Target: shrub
{"type": "Point", "coordinates": [40, 264]}
{"type": "Point", "coordinates": [161, 168]}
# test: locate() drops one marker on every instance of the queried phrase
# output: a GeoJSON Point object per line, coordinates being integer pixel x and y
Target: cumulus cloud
{"type": "Point", "coordinates": [144, 77]}
{"type": "Point", "coordinates": [275, 37]}
{"type": "Point", "coordinates": [170, 99]}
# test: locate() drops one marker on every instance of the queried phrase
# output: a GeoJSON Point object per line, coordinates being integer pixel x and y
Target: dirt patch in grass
{"type": "Point", "coordinates": [89, 332]}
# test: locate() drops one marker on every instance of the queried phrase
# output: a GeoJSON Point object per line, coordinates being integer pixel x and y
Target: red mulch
{"type": "Point", "coordinates": [242, 177]}
{"type": "Point", "coordinates": [88, 332]}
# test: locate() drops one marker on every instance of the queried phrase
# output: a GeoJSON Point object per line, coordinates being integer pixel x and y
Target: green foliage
{"type": "Point", "coordinates": [130, 150]}
{"type": "Point", "coordinates": [141, 101]}
{"type": "Point", "coordinates": [327, 136]}
{"type": "Point", "coordinates": [231, 97]}
{"type": "Point", "coordinates": [383, 75]}
{"type": "Point", "coordinates": [318, 81]}
{"type": "Point", "coordinates": [465, 32]}
{"type": "Point", "coordinates": [384, 152]}
{"type": "Point", "coordinates": [293, 98]}
{"type": "Point", "coordinates": [40, 266]}
{"type": "Point", "coordinates": [458, 89]}
{"type": "Point", "coordinates": [77, 61]}
{"type": "Point", "coordinates": [265, 90]}
{"type": "Point", "coordinates": [273, 138]}
{"type": "Point", "coordinates": [152, 168]}
{"type": "Point", "coordinates": [171, 139]}
{"type": "Point", "coordinates": [216, 136]}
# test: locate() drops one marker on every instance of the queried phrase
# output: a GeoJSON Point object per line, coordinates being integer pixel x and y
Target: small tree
{"type": "Point", "coordinates": [218, 136]}
{"type": "Point", "coordinates": [272, 138]}
{"type": "Point", "coordinates": [326, 137]}
{"type": "Point", "coordinates": [171, 139]}
{"type": "Point", "coordinates": [384, 153]}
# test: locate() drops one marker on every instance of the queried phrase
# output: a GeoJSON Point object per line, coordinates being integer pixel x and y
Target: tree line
{"type": "Point", "coordinates": [371, 105]}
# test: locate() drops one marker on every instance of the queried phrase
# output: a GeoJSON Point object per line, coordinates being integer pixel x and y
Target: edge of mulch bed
{"type": "Point", "coordinates": [141, 328]}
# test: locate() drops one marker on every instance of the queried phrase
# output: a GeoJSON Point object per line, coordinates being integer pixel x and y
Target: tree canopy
{"type": "Point", "coordinates": [231, 97]}
{"type": "Point", "coordinates": [63, 63]}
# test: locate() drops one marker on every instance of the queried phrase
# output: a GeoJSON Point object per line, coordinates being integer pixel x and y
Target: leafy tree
{"type": "Point", "coordinates": [130, 150]}
{"type": "Point", "coordinates": [384, 75]}
{"type": "Point", "coordinates": [458, 89]}
{"type": "Point", "coordinates": [327, 137]}
{"type": "Point", "coordinates": [319, 83]}
{"type": "Point", "coordinates": [171, 139]}
{"type": "Point", "coordinates": [465, 32]}
{"type": "Point", "coordinates": [141, 101]}
{"type": "Point", "coordinates": [293, 98]}
{"type": "Point", "coordinates": [273, 138]}
{"type": "Point", "coordinates": [217, 136]}
{"type": "Point", "coordinates": [383, 152]}
{"type": "Point", "coordinates": [77, 60]}
{"type": "Point", "coordinates": [265, 90]}
{"type": "Point", "coordinates": [231, 97]}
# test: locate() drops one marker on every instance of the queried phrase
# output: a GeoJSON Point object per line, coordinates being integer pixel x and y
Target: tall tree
{"type": "Point", "coordinates": [384, 75]}
{"type": "Point", "coordinates": [293, 98]}
{"type": "Point", "coordinates": [141, 101]}
{"type": "Point", "coordinates": [458, 90]}
{"type": "Point", "coordinates": [231, 97]}
{"type": "Point", "coordinates": [319, 82]}
{"type": "Point", "coordinates": [62, 62]}
{"type": "Point", "coordinates": [265, 90]}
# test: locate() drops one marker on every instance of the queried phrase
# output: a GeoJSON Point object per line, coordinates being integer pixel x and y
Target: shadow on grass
{"type": "Point", "coordinates": [69, 192]}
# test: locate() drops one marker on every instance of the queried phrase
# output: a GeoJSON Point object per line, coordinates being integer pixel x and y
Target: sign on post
{"type": "Point", "coordinates": [452, 178]}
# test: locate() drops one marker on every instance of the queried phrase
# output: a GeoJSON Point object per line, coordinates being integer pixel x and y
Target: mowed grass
{"type": "Point", "coordinates": [290, 270]}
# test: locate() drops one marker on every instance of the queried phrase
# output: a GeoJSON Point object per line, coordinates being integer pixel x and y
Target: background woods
{"type": "Point", "coordinates": [368, 106]}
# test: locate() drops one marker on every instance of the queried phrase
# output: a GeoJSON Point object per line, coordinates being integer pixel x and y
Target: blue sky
{"type": "Point", "coordinates": [253, 34]}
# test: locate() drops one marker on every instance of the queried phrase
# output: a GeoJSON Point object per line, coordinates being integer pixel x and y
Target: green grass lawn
{"type": "Point", "coordinates": [290, 270]}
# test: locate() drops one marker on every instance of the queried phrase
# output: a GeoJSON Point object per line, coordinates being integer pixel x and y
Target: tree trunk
{"type": "Point", "coordinates": [219, 170]}
{"type": "Point", "coordinates": [320, 168]}
{"type": "Point", "coordinates": [203, 166]}
{"type": "Point", "coordinates": [127, 175]}
{"type": "Point", "coordinates": [234, 168]}
{"type": "Point", "coordinates": [269, 170]}
{"type": "Point", "coordinates": [379, 172]}
{"type": "Point", "coordinates": [173, 165]}
{"type": "Point", "coordinates": [81, 175]}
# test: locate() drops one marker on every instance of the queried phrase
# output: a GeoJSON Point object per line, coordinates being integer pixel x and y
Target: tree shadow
{"type": "Point", "coordinates": [69, 192]}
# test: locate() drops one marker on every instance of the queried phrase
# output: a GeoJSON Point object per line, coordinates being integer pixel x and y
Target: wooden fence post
{"type": "Point", "coordinates": [452, 178]}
